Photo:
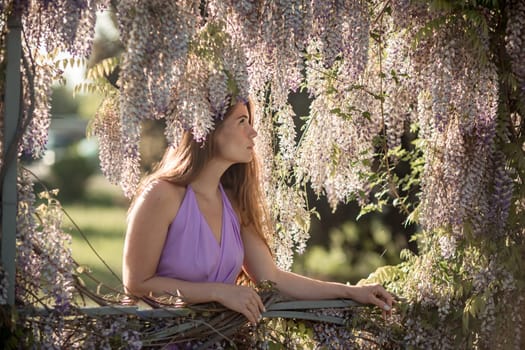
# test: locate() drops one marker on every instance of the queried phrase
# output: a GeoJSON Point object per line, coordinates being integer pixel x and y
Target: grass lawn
{"type": "Point", "coordinates": [101, 217]}
{"type": "Point", "coordinates": [104, 228]}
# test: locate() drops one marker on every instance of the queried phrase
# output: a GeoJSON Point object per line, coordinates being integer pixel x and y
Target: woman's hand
{"type": "Point", "coordinates": [373, 294]}
{"type": "Point", "coordinates": [242, 299]}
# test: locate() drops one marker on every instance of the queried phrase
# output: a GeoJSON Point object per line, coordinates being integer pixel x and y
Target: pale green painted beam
{"type": "Point", "coordinates": [11, 117]}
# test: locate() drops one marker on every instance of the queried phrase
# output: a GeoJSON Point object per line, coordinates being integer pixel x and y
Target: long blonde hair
{"type": "Point", "coordinates": [181, 165]}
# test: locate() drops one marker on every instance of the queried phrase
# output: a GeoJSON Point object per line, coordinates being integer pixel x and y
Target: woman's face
{"type": "Point", "coordinates": [234, 138]}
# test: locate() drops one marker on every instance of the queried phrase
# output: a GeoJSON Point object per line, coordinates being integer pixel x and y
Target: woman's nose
{"type": "Point", "coordinates": [252, 132]}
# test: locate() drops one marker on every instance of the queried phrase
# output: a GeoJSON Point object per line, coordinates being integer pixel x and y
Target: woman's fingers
{"type": "Point", "coordinates": [242, 299]}
{"type": "Point", "coordinates": [254, 307]}
{"type": "Point", "coordinates": [260, 303]}
{"type": "Point", "coordinates": [379, 302]}
{"type": "Point", "coordinates": [255, 313]}
{"type": "Point", "coordinates": [381, 298]}
{"type": "Point", "coordinates": [249, 314]}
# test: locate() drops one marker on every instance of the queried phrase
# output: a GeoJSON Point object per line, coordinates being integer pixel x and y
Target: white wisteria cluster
{"type": "Point", "coordinates": [287, 204]}
{"type": "Point", "coordinates": [59, 25]}
{"type": "Point", "coordinates": [292, 224]}
{"type": "Point", "coordinates": [338, 136]}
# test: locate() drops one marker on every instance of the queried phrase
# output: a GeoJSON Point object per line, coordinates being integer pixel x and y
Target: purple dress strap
{"type": "Point", "coordinates": [191, 251]}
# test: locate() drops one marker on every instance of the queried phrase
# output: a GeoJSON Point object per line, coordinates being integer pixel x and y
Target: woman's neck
{"type": "Point", "coordinates": [207, 182]}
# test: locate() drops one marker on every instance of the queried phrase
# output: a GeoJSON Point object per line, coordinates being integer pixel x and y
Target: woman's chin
{"type": "Point", "coordinates": [247, 160]}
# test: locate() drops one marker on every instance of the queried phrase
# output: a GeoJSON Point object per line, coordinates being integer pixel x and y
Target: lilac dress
{"type": "Point", "coordinates": [191, 251]}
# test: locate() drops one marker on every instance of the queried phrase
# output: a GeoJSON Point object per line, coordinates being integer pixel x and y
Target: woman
{"type": "Point", "coordinates": [198, 220]}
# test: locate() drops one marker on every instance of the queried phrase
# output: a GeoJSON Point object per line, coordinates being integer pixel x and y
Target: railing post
{"type": "Point", "coordinates": [12, 113]}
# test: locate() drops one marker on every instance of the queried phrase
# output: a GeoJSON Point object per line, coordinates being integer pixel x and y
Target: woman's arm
{"type": "Point", "coordinates": [260, 266]}
{"type": "Point", "coordinates": [148, 224]}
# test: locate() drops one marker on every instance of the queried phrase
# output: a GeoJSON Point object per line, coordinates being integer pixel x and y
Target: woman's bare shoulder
{"type": "Point", "coordinates": [161, 197]}
{"type": "Point", "coordinates": [163, 189]}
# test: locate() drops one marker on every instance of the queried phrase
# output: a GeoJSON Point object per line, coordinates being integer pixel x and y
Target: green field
{"type": "Point", "coordinates": [101, 218]}
{"type": "Point", "coordinates": [104, 228]}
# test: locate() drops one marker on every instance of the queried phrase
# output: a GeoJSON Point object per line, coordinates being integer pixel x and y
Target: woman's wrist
{"type": "Point", "coordinates": [344, 291]}
{"type": "Point", "coordinates": [215, 291]}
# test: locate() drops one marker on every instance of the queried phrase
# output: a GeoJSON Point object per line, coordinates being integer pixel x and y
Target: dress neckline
{"type": "Point", "coordinates": [220, 239]}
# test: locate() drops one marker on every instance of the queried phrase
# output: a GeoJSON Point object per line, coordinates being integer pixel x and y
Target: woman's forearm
{"type": "Point", "coordinates": [242, 299]}
{"type": "Point", "coordinates": [302, 287]}
{"type": "Point", "coordinates": [190, 292]}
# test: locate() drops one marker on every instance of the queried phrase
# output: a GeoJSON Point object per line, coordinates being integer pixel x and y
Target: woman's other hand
{"type": "Point", "coordinates": [373, 294]}
{"type": "Point", "coordinates": [242, 299]}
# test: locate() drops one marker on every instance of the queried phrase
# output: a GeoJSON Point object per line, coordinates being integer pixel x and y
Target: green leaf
{"type": "Point", "coordinates": [275, 346]}
{"type": "Point", "coordinates": [384, 274]}
{"type": "Point", "coordinates": [406, 254]}
{"type": "Point", "coordinates": [465, 322]}
{"type": "Point", "coordinates": [100, 69]}
{"type": "Point", "coordinates": [367, 209]}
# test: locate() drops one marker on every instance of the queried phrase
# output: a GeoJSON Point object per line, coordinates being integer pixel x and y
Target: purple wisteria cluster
{"type": "Point", "coordinates": [459, 119]}
{"type": "Point", "coordinates": [334, 337]}
{"type": "Point", "coordinates": [106, 126]}
{"type": "Point", "coordinates": [400, 84]}
{"type": "Point", "coordinates": [468, 184]}
{"type": "Point", "coordinates": [361, 329]}
{"type": "Point", "coordinates": [156, 35]}
{"type": "Point", "coordinates": [49, 27]}
{"type": "Point", "coordinates": [337, 136]}
{"type": "Point", "coordinates": [515, 40]}
{"type": "Point", "coordinates": [45, 286]}
{"type": "Point", "coordinates": [37, 89]}
{"type": "Point", "coordinates": [59, 25]}
{"type": "Point", "coordinates": [44, 262]}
